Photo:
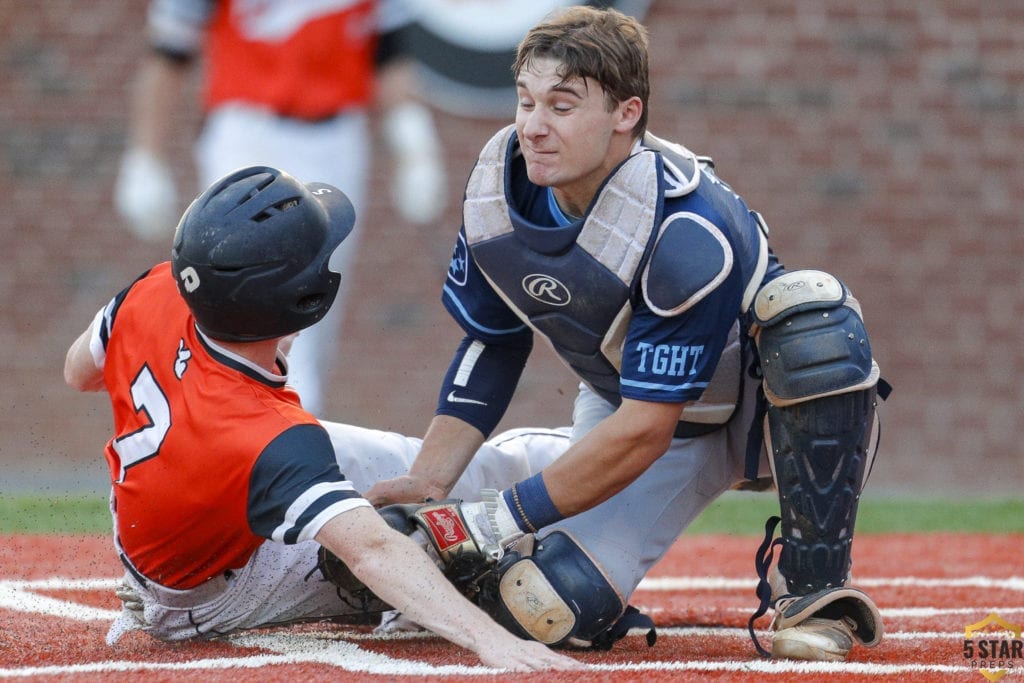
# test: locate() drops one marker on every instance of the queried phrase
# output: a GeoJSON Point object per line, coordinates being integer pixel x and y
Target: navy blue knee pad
{"type": "Point", "coordinates": [554, 594]}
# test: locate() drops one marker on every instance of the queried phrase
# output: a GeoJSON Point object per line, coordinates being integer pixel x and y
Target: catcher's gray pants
{"type": "Point", "coordinates": [627, 534]}
{"type": "Point", "coordinates": [273, 588]}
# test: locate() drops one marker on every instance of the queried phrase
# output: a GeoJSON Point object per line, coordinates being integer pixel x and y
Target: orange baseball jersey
{"type": "Point", "coordinates": [308, 59]}
{"type": "Point", "coordinates": [211, 454]}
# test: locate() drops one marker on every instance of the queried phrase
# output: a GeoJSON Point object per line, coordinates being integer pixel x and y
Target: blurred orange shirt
{"type": "Point", "coordinates": [308, 60]}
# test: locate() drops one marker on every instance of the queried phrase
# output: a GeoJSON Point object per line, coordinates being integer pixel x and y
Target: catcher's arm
{"type": "Point", "coordinates": [402, 575]}
{"type": "Point", "coordinates": [612, 455]}
{"type": "Point", "coordinates": [448, 447]}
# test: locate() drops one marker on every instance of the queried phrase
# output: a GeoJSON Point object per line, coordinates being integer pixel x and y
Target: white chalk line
{"type": "Point", "coordinates": [338, 648]}
{"type": "Point", "coordinates": [890, 612]}
{"type": "Point", "coordinates": [21, 595]}
{"type": "Point", "coordinates": [307, 649]}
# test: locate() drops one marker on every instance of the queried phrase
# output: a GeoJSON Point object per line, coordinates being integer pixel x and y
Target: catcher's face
{"type": "Point", "coordinates": [570, 138]}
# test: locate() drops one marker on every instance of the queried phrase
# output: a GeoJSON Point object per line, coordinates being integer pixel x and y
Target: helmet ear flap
{"type": "Point", "coordinates": [251, 254]}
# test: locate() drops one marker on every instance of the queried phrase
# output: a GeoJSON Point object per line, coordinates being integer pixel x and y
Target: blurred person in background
{"type": "Point", "coordinates": [292, 84]}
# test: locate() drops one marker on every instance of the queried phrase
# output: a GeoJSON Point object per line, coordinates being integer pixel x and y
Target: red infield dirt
{"type": "Point", "coordinates": [56, 602]}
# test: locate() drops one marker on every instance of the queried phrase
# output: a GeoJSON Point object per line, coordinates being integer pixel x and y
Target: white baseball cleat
{"type": "Point", "coordinates": [815, 640]}
{"type": "Point", "coordinates": [823, 626]}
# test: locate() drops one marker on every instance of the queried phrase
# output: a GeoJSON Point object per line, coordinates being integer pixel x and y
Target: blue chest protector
{"type": "Point", "coordinates": [660, 236]}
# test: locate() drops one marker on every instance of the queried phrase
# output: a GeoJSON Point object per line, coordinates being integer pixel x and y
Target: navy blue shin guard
{"type": "Point", "coordinates": [820, 450]}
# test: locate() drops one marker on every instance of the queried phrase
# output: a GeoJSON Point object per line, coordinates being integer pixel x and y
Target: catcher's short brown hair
{"type": "Point", "coordinates": [604, 45]}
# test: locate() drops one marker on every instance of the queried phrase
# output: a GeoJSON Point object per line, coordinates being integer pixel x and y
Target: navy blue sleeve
{"type": "Point", "coordinates": [111, 309]}
{"type": "Point", "coordinates": [672, 359]}
{"type": "Point", "coordinates": [486, 368]}
{"type": "Point", "coordinates": [481, 381]}
{"type": "Point", "coordinates": [296, 486]}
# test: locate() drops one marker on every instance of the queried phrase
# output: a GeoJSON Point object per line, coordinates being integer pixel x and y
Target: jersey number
{"type": "Point", "coordinates": [145, 442]}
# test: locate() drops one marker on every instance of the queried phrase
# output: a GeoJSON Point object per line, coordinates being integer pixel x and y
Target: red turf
{"type": "Point", "coordinates": [929, 587]}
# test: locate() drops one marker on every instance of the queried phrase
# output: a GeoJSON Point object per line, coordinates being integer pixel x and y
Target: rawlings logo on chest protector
{"type": "Point", "coordinates": [546, 289]}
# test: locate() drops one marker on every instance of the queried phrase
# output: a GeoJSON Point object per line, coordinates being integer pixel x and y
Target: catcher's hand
{"type": "Point", "coordinates": [403, 489]}
{"type": "Point", "coordinates": [464, 550]}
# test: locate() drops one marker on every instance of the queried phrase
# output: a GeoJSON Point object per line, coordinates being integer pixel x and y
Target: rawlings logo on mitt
{"type": "Point", "coordinates": [446, 527]}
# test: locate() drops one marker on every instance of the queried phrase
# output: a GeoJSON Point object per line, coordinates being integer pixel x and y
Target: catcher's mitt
{"type": "Point", "coordinates": [351, 590]}
{"type": "Point", "coordinates": [458, 545]}
{"type": "Point", "coordinates": [367, 607]}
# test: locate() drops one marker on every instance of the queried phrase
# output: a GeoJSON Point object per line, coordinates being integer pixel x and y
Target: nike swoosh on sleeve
{"type": "Point", "coordinates": [452, 398]}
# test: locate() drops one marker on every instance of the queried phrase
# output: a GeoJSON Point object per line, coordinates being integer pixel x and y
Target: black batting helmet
{"type": "Point", "coordinates": [252, 254]}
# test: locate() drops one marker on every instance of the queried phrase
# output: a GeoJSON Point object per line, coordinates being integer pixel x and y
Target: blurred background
{"type": "Point", "coordinates": [881, 141]}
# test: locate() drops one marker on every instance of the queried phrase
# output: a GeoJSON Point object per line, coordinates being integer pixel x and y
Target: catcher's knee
{"type": "Point", "coordinates": [554, 593]}
{"type": "Point", "coordinates": [811, 339]}
{"type": "Point", "coordinates": [819, 375]}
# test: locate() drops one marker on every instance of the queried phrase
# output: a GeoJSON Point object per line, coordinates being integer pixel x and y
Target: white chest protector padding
{"type": "Point", "coordinates": [617, 231]}
{"type": "Point", "coordinates": [617, 228]}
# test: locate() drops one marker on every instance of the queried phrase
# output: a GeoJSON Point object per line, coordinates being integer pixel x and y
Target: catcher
{"type": "Point", "coordinates": [654, 282]}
